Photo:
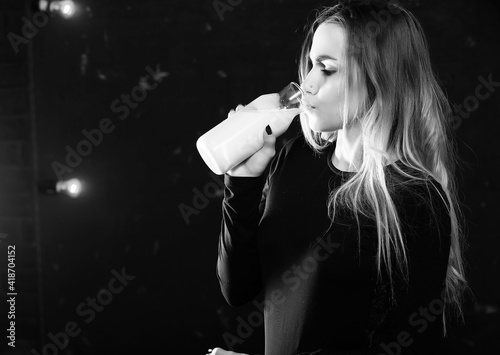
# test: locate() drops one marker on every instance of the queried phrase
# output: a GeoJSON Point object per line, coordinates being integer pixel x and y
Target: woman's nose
{"type": "Point", "coordinates": [308, 87]}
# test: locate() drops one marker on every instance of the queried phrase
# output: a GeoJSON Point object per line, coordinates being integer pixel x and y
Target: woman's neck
{"type": "Point", "coordinates": [348, 155]}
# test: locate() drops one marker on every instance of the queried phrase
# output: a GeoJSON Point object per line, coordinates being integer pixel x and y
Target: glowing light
{"type": "Point", "coordinates": [72, 187]}
{"type": "Point", "coordinates": [66, 8]}
{"type": "Point", "coordinates": [43, 4]}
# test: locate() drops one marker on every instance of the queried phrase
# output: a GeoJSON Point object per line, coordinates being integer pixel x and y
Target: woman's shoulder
{"type": "Point", "coordinates": [292, 146]}
{"type": "Point", "coordinates": [411, 183]}
{"type": "Point", "coordinates": [299, 147]}
{"type": "Point", "coordinates": [421, 199]}
{"type": "Point", "coordinates": [294, 153]}
{"type": "Point", "coordinates": [296, 143]}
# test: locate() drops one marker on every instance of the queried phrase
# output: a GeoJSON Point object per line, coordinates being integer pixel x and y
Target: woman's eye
{"type": "Point", "coordinates": [321, 66]}
{"type": "Point", "coordinates": [328, 72]}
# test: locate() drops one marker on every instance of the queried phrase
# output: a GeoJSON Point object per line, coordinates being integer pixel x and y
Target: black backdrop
{"type": "Point", "coordinates": [145, 172]}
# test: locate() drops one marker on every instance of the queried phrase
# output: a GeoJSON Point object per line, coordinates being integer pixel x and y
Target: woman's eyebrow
{"type": "Point", "coordinates": [322, 57]}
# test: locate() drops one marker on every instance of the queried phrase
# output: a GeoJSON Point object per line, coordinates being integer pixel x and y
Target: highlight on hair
{"type": "Point", "coordinates": [404, 115]}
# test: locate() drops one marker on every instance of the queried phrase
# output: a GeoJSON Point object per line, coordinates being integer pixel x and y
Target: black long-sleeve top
{"type": "Point", "coordinates": [319, 283]}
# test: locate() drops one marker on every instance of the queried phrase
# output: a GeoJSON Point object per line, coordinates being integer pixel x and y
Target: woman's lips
{"type": "Point", "coordinates": [307, 105]}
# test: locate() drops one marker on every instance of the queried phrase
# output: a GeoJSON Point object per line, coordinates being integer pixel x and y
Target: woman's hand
{"type": "Point", "coordinates": [219, 351]}
{"type": "Point", "coordinates": [257, 163]}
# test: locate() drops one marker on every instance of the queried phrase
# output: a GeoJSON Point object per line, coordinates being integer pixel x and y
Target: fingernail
{"type": "Point", "coordinates": [269, 131]}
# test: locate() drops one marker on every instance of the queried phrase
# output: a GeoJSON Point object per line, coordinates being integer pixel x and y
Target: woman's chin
{"type": "Point", "coordinates": [318, 125]}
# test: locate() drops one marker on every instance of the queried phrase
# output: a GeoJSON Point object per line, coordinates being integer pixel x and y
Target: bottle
{"type": "Point", "coordinates": [241, 135]}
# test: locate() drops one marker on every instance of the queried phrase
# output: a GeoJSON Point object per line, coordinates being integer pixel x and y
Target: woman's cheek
{"type": "Point", "coordinates": [331, 117]}
{"type": "Point", "coordinates": [322, 121]}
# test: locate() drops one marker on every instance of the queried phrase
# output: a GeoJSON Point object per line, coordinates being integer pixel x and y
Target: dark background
{"type": "Point", "coordinates": [143, 173]}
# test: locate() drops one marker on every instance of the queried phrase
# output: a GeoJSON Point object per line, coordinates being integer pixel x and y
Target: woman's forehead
{"type": "Point", "coordinates": [328, 40]}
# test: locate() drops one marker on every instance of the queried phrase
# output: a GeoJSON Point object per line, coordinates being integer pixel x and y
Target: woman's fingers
{"type": "Point", "coordinates": [232, 112]}
{"type": "Point", "coordinates": [219, 351]}
{"type": "Point", "coordinates": [269, 147]}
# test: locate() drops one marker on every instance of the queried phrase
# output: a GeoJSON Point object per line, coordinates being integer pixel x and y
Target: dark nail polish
{"type": "Point", "coordinates": [269, 131]}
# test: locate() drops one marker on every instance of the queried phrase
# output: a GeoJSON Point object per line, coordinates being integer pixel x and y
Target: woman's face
{"type": "Point", "coordinates": [323, 84]}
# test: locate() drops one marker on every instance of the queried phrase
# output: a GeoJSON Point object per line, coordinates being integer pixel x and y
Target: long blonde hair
{"type": "Point", "coordinates": [404, 114]}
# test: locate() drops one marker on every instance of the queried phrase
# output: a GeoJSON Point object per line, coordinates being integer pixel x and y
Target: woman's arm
{"type": "Point", "coordinates": [414, 323]}
{"type": "Point", "coordinates": [245, 198]}
{"type": "Point", "coordinates": [238, 264]}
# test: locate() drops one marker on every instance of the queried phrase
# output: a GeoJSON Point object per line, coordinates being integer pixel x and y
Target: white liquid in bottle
{"type": "Point", "coordinates": [239, 136]}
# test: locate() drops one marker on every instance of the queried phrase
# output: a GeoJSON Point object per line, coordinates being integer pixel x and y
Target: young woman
{"type": "Point", "coordinates": [353, 236]}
